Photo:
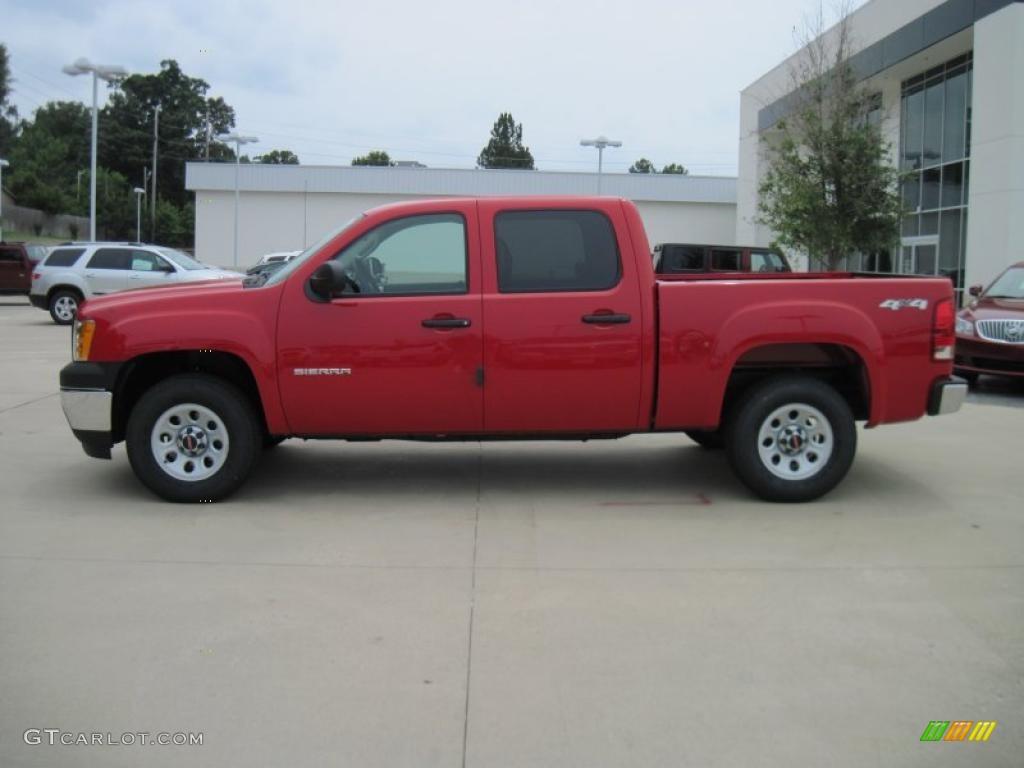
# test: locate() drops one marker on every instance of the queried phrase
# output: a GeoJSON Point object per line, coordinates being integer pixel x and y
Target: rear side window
{"type": "Point", "coordinates": [63, 257]}
{"type": "Point", "coordinates": [555, 251]}
{"type": "Point", "coordinates": [10, 254]}
{"type": "Point", "coordinates": [110, 258]}
{"type": "Point", "coordinates": [725, 260]}
{"type": "Point", "coordinates": [766, 261]}
{"type": "Point", "coordinates": [681, 258]}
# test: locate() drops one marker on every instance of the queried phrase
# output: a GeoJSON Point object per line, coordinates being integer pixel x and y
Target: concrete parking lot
{"type": "Point", "coordinates": [620, 603]}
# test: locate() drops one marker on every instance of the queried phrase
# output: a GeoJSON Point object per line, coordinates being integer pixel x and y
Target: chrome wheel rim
{"type": "Point", "coordinates": [189, 442]}
{"type": "Point", "coordinates": [65, 308]}
{"type": "Point", "coordinates": [795, 442]}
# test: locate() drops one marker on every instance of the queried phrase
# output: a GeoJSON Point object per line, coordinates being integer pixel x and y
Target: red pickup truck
{"type": "Point", "coordinates": [505, 318]}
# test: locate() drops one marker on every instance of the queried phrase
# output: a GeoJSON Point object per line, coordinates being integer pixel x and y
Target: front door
{"type": "Point", "coordinates": [562, 309]}
{"type": "Point", "coordinates": [399, 352]}
{"type": "Point", "coordinates": [148, 269]}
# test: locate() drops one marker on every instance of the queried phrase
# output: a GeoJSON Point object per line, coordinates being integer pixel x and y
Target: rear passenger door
{"type": "Point", "coordinates": [562, 319]}
{"type": "Point", "coordinates": [106, 271]}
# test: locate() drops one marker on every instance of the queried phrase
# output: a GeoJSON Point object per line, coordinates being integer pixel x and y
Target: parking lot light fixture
{"type": "Point", "coordinates": [108, 73]}
{"type": "Point", "coordinates": [139, 192]}
{"type": "Point", "coordinates": [601, 142]}
{"type": "Point", "coordinates": [238, 140]}
{"type": "Point", "coordinates": [3, 164]}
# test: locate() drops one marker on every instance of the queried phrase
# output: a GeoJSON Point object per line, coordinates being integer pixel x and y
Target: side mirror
{"type": "Point", "coordinates": [330, 278]}
{"type": "Point", "coordinates": [167, 268]}
{"type": "Point", "coordinates": [975, 290]}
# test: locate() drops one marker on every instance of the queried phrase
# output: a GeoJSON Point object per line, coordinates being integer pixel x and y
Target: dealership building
{"type": "Point", "coordinates": [947, 78]}
{"type": "Point", "coordinates": [949, 83]}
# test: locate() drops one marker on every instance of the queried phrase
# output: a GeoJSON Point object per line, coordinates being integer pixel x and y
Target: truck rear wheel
{"type": "Point", "coordinates": [791, 438]}
{"type": "Point", "coordinates": [193, 438]}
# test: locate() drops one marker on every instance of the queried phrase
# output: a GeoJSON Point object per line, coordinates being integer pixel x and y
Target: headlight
{"type": "Point", "coordinates": [964, 327]}
{"type": "Point", "coordinates": [81, 339]}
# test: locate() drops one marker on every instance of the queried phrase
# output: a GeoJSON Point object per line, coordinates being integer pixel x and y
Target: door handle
{"type": "Point", "coordinates": [447, 322]}
{"type": "Point", "coordinates": [606, 319]}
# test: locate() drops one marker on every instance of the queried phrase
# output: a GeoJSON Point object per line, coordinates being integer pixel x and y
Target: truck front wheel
{"type": "Point", "coordinates": [791, 438]}
{"type": "Point", "coordinates": [193, 438]}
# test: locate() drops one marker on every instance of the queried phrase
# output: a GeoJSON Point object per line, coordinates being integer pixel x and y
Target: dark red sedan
{"type": "Point", "coordinates": [990, 332]}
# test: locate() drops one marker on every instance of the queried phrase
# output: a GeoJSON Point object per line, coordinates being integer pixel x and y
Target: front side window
{"type": "Point", "coordinates": [63, 257]}
{"type": "Point", "coordinates": [410, 256]}
{"type": "Point", "coordinates": [144, 261]}
{"type": "Point", "coordinates": [110, 258]}
{"type": "Point", "coordinates": [539, 251]}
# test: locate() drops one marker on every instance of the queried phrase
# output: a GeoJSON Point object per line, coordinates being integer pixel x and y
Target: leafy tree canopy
{"type": "Point", "coordinates": [505, 148]}
{"type": "Point", "coordinates": [376, 157]}
{"type": "Point", "coordinates": [676, 168]}
{"type": "Point", "coordinates": [278, 157]}
{"type": "Point", "coordinates": [829, 190]}
{"type": "Point", "coordinates": [643, 165]}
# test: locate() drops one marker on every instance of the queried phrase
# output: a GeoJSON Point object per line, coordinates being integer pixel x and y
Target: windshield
{"type": "Point", "coordinates": [1010, 285]}
{"type": "Point", "coordinates": [183, 260]}
{"type": "Point", "coordinates": [282, 274]}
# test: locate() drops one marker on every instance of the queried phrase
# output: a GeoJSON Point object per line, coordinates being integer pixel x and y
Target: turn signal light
{"type": "Point", "coordinates": [81, 339]}
{"type": "Point", "coordinates": [944, 331]}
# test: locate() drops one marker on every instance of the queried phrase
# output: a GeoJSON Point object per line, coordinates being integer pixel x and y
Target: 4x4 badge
{"type": "Point", "coordinates": [898, 304]}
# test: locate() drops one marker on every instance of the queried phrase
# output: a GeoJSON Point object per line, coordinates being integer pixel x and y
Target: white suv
{"type": "Point", "coordinates": [79, 271]}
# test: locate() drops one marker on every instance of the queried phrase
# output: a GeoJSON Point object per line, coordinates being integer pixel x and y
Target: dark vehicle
{"type": "Point", "coordinates": [16, 263]}
{"type": "Point", "coordinates": [688, 259]}
{"type": "Point", "coordinates": [990, 332]}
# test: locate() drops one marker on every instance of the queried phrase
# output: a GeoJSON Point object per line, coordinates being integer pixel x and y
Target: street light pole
{"type": "Point", "coordinates": [106, 72]}
{"type": "Point", "coordinates": [3, 164]}
{"type": "Point", "coordinates": [139, 192]}
{"type": "Point", "coordinates": [238, 140]}
{"type": "Point", "coordinates": [600, 142]}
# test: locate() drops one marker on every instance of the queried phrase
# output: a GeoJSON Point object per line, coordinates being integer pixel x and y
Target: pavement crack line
{"type": "Point", "coordinates": [472, 600]}
{"type": "Point", "coordinates": [27, 402]}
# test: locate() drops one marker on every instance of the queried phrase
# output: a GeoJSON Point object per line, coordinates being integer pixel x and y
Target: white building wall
{"type": "Point", "coordinates": [995, 228]}
{"type": "Point", "coordinates": [285, 221]}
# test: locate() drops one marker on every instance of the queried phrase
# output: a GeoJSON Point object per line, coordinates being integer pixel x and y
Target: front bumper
{"type": "Point", "coordinates": [976, 355]}
{"type": "Point", "coordinates": [947, 396]}
{"type": "Point", "coordinates": [38, 301]}
{"type": "Point", "coordinates": [87, 398]}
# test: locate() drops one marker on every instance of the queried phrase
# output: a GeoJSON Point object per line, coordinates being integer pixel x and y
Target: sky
{"type": "Point", "coordinates": [426, 80]}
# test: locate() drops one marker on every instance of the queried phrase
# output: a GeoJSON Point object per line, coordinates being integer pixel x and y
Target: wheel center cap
{"type": "Point", "coordinates": [792, 440]}
{"type": "Point", "coordinates": [192, 441]}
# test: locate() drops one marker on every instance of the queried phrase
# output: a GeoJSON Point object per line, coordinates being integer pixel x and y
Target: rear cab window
{"type": "Point", "coordinates": [63, 257]}
{"type": "Point", "coordinates": [555, 250]}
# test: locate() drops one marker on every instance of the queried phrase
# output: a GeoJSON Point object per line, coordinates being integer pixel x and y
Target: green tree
{"type": "Point", "coordinates": [376, 157]}
{"type": "Point", "coordinates": [188, 119]}
{"type": "Point", "coordinates": [8, 112]}
{"type": "Point", "coordinates": [505, 148]}
{"type": "Point", "coordinates": [278, 157]}
{"type": "Point", "coordinates": [47, 155]}
{"type": "Point", "coordinates": [829, 190]}
{"type": "Point", "coordinates": [643, 165]}
{"type": "Point", "coordinates": [676, 168]}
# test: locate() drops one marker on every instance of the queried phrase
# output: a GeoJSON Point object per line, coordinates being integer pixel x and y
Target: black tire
{"type": "Point", "coordinates": [787, 481]}
{"type": "Point", "coordinates": [60, 301]}
{"type": "Point", "coordinates": [712, 440]}
{"type": "Point", "coordinates": [228, 405]}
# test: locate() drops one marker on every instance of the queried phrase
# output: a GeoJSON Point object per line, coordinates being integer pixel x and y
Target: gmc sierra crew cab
{"type": "Point", "coordinates": [505, 318]}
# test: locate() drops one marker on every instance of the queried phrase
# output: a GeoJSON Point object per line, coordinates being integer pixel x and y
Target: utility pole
{"type": "Point", "coordinates": [209, 133]}
{"type": "Point", "coordinates": [152, 201]}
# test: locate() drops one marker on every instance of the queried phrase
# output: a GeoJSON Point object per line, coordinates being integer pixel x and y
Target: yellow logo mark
{"type": "Point", "coordinates": [982, 731]}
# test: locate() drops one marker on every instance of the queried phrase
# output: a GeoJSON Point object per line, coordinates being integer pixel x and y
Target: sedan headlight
{"type": "Point", "coordinates": [81, 339]}
{"type": "Point", "coordinates": [964, 327]}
